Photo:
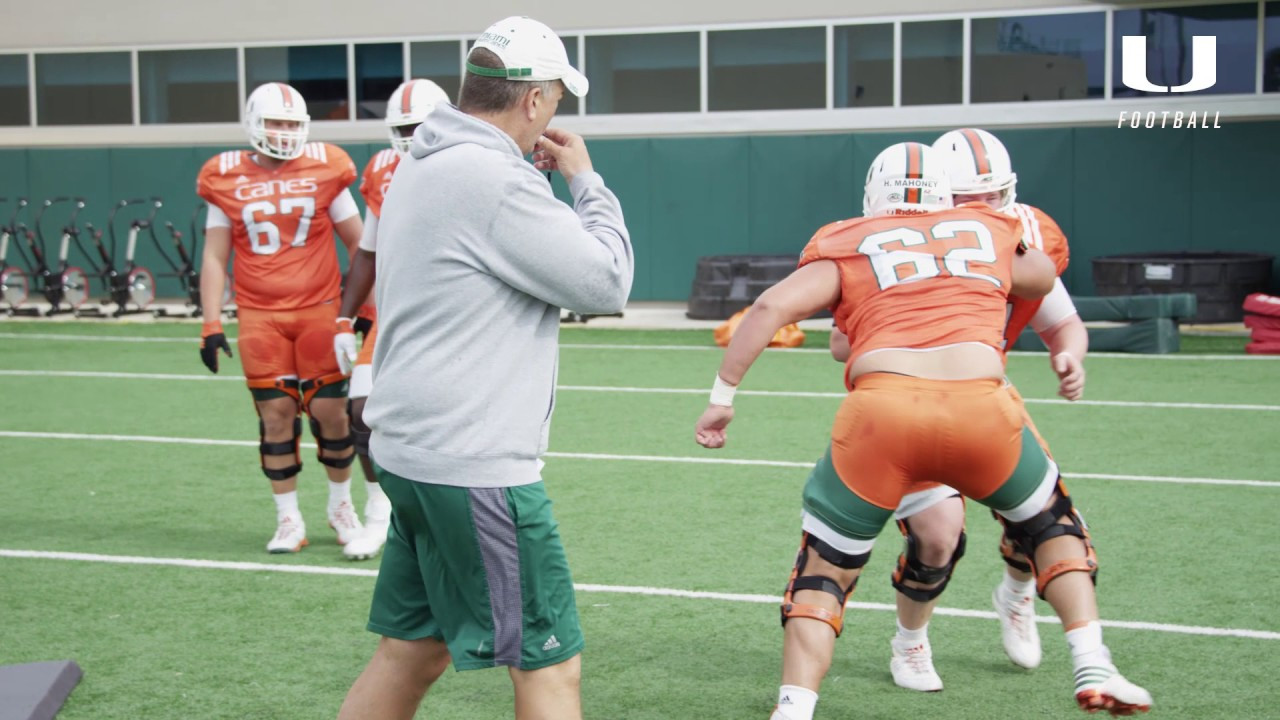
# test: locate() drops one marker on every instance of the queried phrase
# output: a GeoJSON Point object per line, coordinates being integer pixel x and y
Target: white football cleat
{"type": "Point", "coordinates": [912, 666]}
{"type": "Point", "coordinates": [290, 537]}
{"type": "Point", "coordinates": [1115, 694]}
{"type": "Point", "coordinates": [369, 544]}
{"type": "Point", "coordinates": [343, 520]}
{"type": "Point", "coordinates": [1018, 627]}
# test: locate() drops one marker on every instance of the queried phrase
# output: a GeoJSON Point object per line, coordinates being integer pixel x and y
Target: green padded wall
{"type": "Point", "coordinates": [1112, 190]}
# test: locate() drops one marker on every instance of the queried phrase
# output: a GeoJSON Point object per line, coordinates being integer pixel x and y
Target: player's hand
{"type": "Point", "coordinates": [709, 432]}
{"type": "Point", "coordinates": [562, 150]}
{"type": "Point", "coordinates": [344, 346]}
{"type": "Point", "coordinates": [212, 340]}
{"type": "Point", "coordinates": [365, 319]}
{"type": "Point", "coordinates": [1070, 375]}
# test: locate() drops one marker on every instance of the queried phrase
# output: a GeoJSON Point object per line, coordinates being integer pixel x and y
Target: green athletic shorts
{"type": "Point", "coordinates": [481, 569]}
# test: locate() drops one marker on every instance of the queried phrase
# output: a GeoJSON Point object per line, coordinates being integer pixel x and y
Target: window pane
{"type": "Point", "coordinates": [379, 71]}
{"type": "Point", "coordinates": [1169, 56]}
{"type": "Point", "coordinates": [319, 72]}
{"type": "Point", "coordinates": [863, 58]}
{"type": "Point", "coordinates": [84, 89]}
{"type": "Point", "coordinates": [185, 86]}
{"type": "Point", "coordinates": [569, 104]}
{"type": "Point", "coordinates": [643, 73]}
{"type": "Point", "coordinates": [767, 69]}
{"type": "Point", "coordinates": [1271, 52]}
{"type": "Point", "coordinates": [931, 62]}
{"type": "Point", "coordinates": [15, 102]}
{"type": "Point", "coordinates": [439, 62]}
{"type": "Point", "coordinates": [1038, 57]}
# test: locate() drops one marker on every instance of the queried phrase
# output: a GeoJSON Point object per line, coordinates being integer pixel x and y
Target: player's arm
{"type": "Point", "coordinates": [360, 276]}
{"type": "Point", "coordinates": [1033, 275]}
{"type": "Point", "coordinates": [213, 281]}
{"type": "Point", "coordinates": [1063, 332]}
{"type": "Point", "coordinates": [213, 271]}
{"type": "Point", "coordinates": [346, 221]}
{"type": "Point", "coordinates": [804, 292]}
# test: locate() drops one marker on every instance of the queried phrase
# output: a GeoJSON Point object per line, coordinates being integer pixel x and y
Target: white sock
{"type": "Point", "coordinates": [795, 703]}
{"type": "Point", "coordinates": [1017, 588]}
{"type": "Point", "coordinates": [919, 635]}
{"type": "Point", "coordinates": [1086, 646]}
{"type": "Point", "coordinates": [338, 492]}
{"type": "Point", "coordinates": [287, 504]}
{"type": "Point", "coordinates": [378, 506]}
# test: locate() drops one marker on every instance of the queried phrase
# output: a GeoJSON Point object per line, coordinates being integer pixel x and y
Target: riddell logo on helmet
{"type": "Point", "coordinates": [1204, 75]}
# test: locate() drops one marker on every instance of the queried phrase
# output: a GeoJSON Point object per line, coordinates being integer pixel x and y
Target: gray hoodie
{"type": "Point", "coordinates": [476, 257]}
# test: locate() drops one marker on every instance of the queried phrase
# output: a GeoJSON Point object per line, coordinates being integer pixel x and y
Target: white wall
{"type": "Point", "coordinates": [39, 24]}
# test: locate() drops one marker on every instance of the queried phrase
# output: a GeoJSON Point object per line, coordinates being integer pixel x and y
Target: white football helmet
{"type": "Point", "coordinates": [276, 101]}
{"type": "Point", "coordinates": [408, 107]}
{"type": "Point", "coordinates": [906, 179]}
{"type": "Point", "coordinates": [978, 164]}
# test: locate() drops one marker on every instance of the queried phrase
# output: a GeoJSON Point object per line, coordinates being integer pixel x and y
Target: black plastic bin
{"type": "Point", "coordinates": [725, 284]}
{"type": "Point", "coordinates": [1219, 280]}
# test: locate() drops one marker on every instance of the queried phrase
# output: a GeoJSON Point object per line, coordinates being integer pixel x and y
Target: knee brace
{"type": "Point", "coordinates": [799, 581]}
{"type": "Point", "coordinates": [359, 432]}
{"type": "Point", "coordinates": [910, 568]}
{"type": "Point", "coordinates": [336, 445]}
{"type": "Point", "coordinates": [288, 447]}
{"type": "Point", "coordinates": [331, 385]}
{"type": "Point", "coordinates": [1009, 553]}
{"type": "Point", "coordinates": [1033, 532]}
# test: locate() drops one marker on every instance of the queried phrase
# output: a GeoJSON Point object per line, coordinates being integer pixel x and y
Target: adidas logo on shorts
{"type": "Point", "coordinates": [551, 644]}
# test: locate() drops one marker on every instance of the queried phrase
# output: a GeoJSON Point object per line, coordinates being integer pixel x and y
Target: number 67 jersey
{"type": "Point", "coordinates": [921, 281]}
{"type": "Point", "coordinates": [282, 223]}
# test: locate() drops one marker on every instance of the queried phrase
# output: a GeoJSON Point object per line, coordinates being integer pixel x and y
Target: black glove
{"type": "Point", "coordinates": [209, 346]}
{"type": "Point", "coordinates": [364, 321]}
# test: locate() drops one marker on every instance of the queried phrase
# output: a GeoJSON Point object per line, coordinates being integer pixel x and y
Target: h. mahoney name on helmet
{"type": "Point", "coordinates": [906, 179]}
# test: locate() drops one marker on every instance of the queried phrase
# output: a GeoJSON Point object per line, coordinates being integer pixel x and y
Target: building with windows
{"type": "Point", "coordinates": [727, 127]}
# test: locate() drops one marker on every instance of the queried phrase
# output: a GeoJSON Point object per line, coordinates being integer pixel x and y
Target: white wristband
{"type": "Point", "coordinates": [722, 392]}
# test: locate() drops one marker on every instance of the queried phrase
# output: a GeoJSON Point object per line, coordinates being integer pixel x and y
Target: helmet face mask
{"type": "Point", "coordinates": [277, 121]}
{"type": "Point", "coordinates": [408, 107]}
{"type": "Point", "coordinates": [978, 164]}
{"type": "Point", "coordinates": [906, 179]}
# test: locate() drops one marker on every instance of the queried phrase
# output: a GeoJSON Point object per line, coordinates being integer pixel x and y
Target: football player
{"type": "Point", "coordinates": [276, 208]}
{"type": "Point", "coordinates": [407, 108]}
{"type": "Point", "coordinates": [920, 287]}
{"type": "Point", "coordinates": [932, 522]}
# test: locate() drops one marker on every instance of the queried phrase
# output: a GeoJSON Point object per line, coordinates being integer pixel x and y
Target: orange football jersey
{"type": "Point", "coordinates": [1039, 231]}
{"type": "Point", "coordinates": [377, 178]}
{"type": "Point", "coordinates": [285, 257]}
{"type": "Point", "coordinates": [921, 281]}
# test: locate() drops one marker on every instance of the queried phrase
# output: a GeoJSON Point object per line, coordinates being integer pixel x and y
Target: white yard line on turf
{"type": "Point", "coordinates": [610, 346]}
{"type": "Point", "coordinates": [661, 391]}
{"type": "Point", "coordinates": [17, 434]}
{"type": "Point", "coordinates": [617, 589]}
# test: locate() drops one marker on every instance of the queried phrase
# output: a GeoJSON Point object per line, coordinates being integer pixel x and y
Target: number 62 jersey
{"type": "Point", "coordinates": [921, 281]}
{"type": "Point", "coordinates": [281, 223]}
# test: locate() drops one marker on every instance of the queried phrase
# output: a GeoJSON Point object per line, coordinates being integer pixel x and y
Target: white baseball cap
{"type": "Point", "coordinates": [529, 51]}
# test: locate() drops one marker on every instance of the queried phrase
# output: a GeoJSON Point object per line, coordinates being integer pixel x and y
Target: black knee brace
{"type": "Point", "coordinates": [1033, 532]}
{"type": "Point", "coordinates": [359, 431]}
{"type": "Point", "coordinates": [288, 447]}
{"type": "Point", "coordinates": [338, 445]}
{"type": "Point", "coordinates": [910, 568]}
{"type": "Point", "coordinates": [823, 583]}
